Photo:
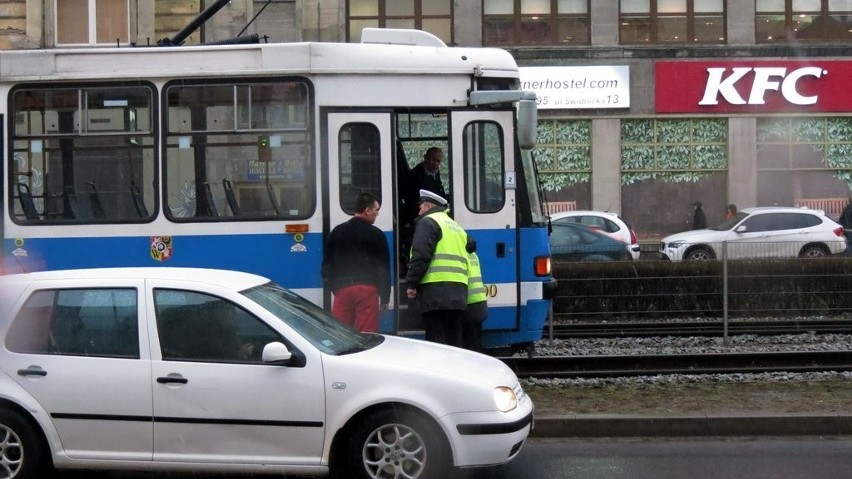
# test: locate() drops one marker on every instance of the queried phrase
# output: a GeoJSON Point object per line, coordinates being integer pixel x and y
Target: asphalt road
{"type": "Point", "coordinates": [643, 458]}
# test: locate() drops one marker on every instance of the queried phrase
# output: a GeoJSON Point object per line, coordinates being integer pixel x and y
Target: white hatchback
{"type": "Point", "coordinates": [209, 370]}
{"type": "Point", "coordinates": [763, 232]}
{"type": "Point", "coordinates": [604, 221]}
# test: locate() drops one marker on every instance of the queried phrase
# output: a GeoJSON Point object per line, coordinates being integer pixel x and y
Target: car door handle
{"type": "Point", "coordinates": [32, 371]}
{"type": "Point", "coordinates": [172, 379]}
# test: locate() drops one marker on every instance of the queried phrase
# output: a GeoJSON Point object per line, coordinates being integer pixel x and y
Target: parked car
{"type": "Point", "coordinates": [763, 232]}
{"type": "Point", "coordinates": [221, 371]}
{"type": "Point", "coordinates": [575, 242]}
{"type": "Point", "coordinates": [606, 222]}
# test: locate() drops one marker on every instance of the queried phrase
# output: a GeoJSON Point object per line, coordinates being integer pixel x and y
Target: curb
{"type": "Point", "coordinates": [590, 425]}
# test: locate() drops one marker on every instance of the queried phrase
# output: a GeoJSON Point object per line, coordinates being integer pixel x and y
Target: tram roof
{"type": "Point", "coordinates": [255, 59]}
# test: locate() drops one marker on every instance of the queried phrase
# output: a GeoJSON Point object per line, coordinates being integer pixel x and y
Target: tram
{"type": "Point", "coordinates": [245, 156]}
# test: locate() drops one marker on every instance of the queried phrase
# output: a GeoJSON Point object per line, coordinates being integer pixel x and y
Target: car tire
{"type": "Point", "coordinates": [21, 451]}
{"type": "Point", "coordinates": [390, 443]}
{"type": "Point", "coordinates": [699, 254]}
{"type": "Point", "coordinates": [813, 251]}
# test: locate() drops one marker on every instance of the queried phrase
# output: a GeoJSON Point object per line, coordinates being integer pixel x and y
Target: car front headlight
{"type": "Point", "coordinates": [505, 398]}
{"type": "Point", "coordinates": [676, 244]}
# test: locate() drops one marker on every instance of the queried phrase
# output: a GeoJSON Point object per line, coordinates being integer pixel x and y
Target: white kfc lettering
{"type": "Point", "coordinates": [765, 79]}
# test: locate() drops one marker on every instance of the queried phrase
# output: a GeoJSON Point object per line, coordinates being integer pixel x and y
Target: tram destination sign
{"type": "Point", "coordinates": [753, 86]}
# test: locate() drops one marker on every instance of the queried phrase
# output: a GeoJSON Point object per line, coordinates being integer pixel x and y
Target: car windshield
{"type": "Point", "coordinates": [311, 322]}
{"type": "Point", "coordinates": [730, 222]}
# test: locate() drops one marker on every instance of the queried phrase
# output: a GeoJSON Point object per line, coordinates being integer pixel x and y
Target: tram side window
{"type": "Point", "coordinates": [360, 163]}
{"type": "Point", "coordinates": [83, 154]}
{"type": "Point", "coordinates": [483, 167]}
{"type": "Point", "coordinates": [238, 151]}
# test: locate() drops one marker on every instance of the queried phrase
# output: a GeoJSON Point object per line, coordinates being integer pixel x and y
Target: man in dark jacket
{"type": "Point", "coordinates": [846, 222]}
{"type": "Point", "coordinates": [699, 221]}
{"type": "Point", "coordinates": [356, 267]}
{"type": "Point", "coordinates": [437, 270]}
{"type": "Point", "coordinates": [427, 174]}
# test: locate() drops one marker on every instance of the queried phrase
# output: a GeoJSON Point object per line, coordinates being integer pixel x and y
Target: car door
{"type": "Point", "coordinates": [751, 237]}
{"type": "Point", "coordinates": [77, 348]}
{"type": "Point", "coordinates": [214, 399]}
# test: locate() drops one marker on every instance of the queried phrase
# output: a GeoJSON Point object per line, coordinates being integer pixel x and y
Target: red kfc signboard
{"type": "Point", "coordinates": [753, 86]}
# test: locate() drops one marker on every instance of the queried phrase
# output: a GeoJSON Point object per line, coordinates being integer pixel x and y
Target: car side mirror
{"type": "Point", "coordinates": [741, 229]}
{"type": "Point", "coordinates": [276, 353]}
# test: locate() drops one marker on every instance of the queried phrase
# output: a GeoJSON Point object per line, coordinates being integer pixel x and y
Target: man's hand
{"type": "Point", "coordinates": [411, 293]}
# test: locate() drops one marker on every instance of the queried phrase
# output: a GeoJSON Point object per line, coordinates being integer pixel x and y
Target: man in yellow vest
{"type": "Point", "coordinates": [477, 301]}
{"type": "Point", "coordinates": [437, 270]}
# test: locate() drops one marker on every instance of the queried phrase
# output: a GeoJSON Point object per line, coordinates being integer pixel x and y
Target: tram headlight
{"type": "Point", "coordinates": [505, 398]}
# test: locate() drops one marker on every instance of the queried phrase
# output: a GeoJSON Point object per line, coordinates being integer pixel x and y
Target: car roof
{"type": "Point", "coordinates": [235, 280]}
{"type": "Point", "coordinates": [566, 214]}
{"type": "Point", "coordinates": [781, 209]}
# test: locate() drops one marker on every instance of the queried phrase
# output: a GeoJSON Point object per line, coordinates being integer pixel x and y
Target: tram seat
{"type": "Point", "coordinates": [231, 197]}
{"type": "Point", "coordinates": [211, 203]}
{"type": "Point", "coordinates": [27, 203]}
{"type": "Point", "coordinates": [138, 200]}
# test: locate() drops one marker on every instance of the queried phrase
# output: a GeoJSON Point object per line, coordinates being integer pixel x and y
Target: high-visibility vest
{"type": "Point", "coordinates": [475, 287]}
{"type": "Point", "coordinates": [449, 261]}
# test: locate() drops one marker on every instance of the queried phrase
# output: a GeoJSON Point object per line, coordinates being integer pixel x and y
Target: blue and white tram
{"type": "Point", "coordinates": [244, 156]}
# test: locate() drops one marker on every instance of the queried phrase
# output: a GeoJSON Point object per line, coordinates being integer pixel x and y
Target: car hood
{"type": "Point", "coordinates": [694, 236]}
{"type": "Point", "coordinates": [438, 359]}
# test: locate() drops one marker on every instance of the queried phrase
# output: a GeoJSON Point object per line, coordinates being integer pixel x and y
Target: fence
{"type": "Point", "coordinates": [831, 206]}
{"type": "Point", "coordinates": [551, 207]}
{"type": "Point", "coordinates": [609, 292]}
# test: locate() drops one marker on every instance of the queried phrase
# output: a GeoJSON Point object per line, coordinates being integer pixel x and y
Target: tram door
{"type": "Point", "coordinates": [483, 149]}
{"type": "Point", "coordinates": [359, 157]}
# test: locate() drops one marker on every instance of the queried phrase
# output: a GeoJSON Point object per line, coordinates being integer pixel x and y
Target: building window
{"type": "Point", "coordinates": [806, 20]}
{"type": "Point", "coordinates": [668, 164]}
{"type": "Point", "coordinates": [92, 22]}
{"type": "Point", "coordinates": [804, 162]}
{"type": "Point", "coordinates": [535, 22]}
{"type": "Point", "coordinates": [433, 16]}
{"type": "Point", "coordinates": [563, 154]}
{"type": "Point", "coordinates": [672, 21]}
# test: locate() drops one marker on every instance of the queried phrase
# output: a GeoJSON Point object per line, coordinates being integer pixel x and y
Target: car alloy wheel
{"type": "Point", "coordinates": [20, 450]}
{"type": "Point", "coordinates": [394, 444]}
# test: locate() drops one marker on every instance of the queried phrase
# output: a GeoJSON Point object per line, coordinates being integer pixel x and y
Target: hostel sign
{"type": "Point", "coordinates": [585, 87]}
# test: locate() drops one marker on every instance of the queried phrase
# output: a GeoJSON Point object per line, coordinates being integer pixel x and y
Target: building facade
{"type": "Point", "coordinates": [645, 105]}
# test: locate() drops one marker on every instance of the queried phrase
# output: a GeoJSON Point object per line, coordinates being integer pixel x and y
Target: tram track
{"type": "Point", "coordinates": [663, 364]}
{"type": "Point", "coordinates": [699, 328]}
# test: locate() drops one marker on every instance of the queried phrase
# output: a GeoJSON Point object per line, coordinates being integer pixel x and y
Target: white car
{"type": "Point", "coordinates": [605, 221]}
{"type": "Point", "coordinates": [763, 232]}
{"type": "Point", "coordinates": [209, 370]}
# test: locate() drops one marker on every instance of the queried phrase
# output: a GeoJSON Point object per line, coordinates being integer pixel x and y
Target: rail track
{"type": "Point", "coordinates": [698, 328]}
{"type": "Point", "coordinates": [706, 363]}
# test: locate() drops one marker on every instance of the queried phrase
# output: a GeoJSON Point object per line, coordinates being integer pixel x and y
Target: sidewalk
{"type": "Point", "coordinates": [792, 424]}
{"type": "Point", "coordinates": [787, 407]}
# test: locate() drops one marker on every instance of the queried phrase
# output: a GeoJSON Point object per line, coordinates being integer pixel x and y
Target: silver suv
{"type": "Point", "coordinates": [764, 232]}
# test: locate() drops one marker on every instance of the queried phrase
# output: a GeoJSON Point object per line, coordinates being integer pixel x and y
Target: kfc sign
{"type": "Point", "coordinates": [753, 87]}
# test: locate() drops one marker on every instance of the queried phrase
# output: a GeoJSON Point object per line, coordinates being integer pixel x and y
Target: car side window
{"type": "Point", "coordinates": [195, 326]}
{"type": "Point", "coordinates": [78, 322]}
{"type": "Point", "coordinates": [758, 223]}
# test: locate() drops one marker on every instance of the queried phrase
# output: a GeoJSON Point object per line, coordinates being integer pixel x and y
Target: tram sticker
{"type": "Point", "coordinates": [19, 251]}
{"type": "Point", "coordinates": [298, 248]}
{"type": "Point", "coordinates": [161, 248]}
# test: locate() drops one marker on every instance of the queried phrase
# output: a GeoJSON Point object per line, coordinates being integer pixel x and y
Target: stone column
{"type": "Point", "coordinates": [606, 164]}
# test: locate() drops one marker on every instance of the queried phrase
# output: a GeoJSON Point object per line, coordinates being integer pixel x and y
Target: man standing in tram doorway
{"type": "Point", "coordinates": [356, 267]}
{"type": "Point", "coordinates": [427, 174]}
{"type": "Point", "coordinates": [437, 270]}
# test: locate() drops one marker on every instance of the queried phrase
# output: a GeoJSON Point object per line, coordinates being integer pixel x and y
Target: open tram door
{"type": "Point", "coordinates": [485, 205]}
{"type": "Point", "coordinates": [359, 158]}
